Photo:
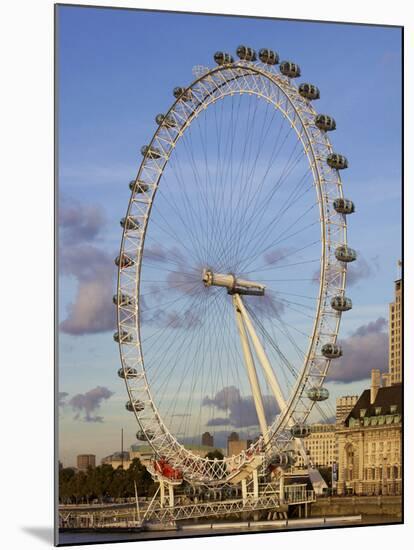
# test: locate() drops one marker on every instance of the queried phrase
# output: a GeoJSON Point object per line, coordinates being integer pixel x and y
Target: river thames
{"type": "Point", "coordinates": [74, 538]}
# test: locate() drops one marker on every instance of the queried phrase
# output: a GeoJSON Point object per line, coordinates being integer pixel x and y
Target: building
{"type": "Point", "coordinates": [235, 445]}
{"type": "Point", "coordinates": [321, 446]}
{"type": "Point", "coordinates": [144, 453]}
{"type": "Point", "coordinates": [118, 459]}
{"type": "Point", "coordinates": [369, 442]}
{"type": "Point", "coordinates": [395, 336]}
{"type": "Point", "coordinates": [83, 462]}
{"type": "Point", "coordinates": [207, 439]}
{"type": "Point", "coordinates": [344, 405]}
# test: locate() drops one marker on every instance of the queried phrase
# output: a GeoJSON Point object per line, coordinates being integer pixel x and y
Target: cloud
{"type": "Point", "coordinates": [162, 254]}
{"type": "Point", "coordinates": [359, 270]}
{"type": "Point", "coordinates": [241, 410]}
{"type": "Point", "coordinates": [62, 398]}
{"type": "Point", "coordinates": [173, 319]}
{"type": "Point", "coordinates": [266, 307]}
{"type": "Point", "coordinates": [86, 403]}
{"type": "Point", "coordinates": [371, 328]}
{"type": "Point", "coordinates": [364, 350]}
{"type": "Point", "coordinates": [79, 223]}
{"type": "Point", "coordinates": [218, 421]}
{"type": "Point", "coordinates": [356, 271]}
{"type": "Point", "coordinates": [92, 310]}
{"type": "Point", "coordinates": [276, 255]}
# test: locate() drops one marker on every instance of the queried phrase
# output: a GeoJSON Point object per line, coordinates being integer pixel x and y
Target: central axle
{"type": "Point", "coordinates": [233, 284]}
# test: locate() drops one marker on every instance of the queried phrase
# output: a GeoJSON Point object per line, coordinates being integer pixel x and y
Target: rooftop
{"type": "Point", "coordinates": [387, 397]}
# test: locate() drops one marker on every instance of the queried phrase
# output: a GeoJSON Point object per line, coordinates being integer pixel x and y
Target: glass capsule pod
{"type": "Point", "coordinates": [292, 70]}
{"type": "Point", "coordinates": [124, 261]}
{"type": "Point", "coordinates": [138, 186]}
{"type": "Point", "coordinates": [127, 373]}
{"type": "Point", "coordinates": [223, 58]}
{"type": "Point", "coordinates": [246, 53]}
{"type": "Point", "coordinates": [268, 56]}
{"type": "Point", "coordinates": [341, 303]}
{"type": "Point", "coordinates": [136, 406]}
{"type": "Point", "coordinates": [167, 121]}
{"type": "Point", "coordinates": [344, 253]}
{"type": "Point", "coordinates": [318, 394]}
{"type": "Point", "coordinates": [130, 223]}
{"type": "Point", "coordinates": [123, 337]}
{"type": "Point", "coordinates": [309, 91]}
{"type": "Point", "coordinates": [230, 492]}
{"type": "Point", "coordinates": [182, 93]}
{"type": "Point", "coordinates": [331, 351]}
{"type": "Point", "coordinates": [344, 206]}
{"type": "Point", "coordinates": [150, 152]}
{"type": "Point", "coordinates": [339, 162]}
{"type": "Point", "coordinates": [143, 436]}
{"type": "Point", "coordinates": [300, 430]}
{"type": "Point", "coordinates": [123, 299]}
{"type": "Point", "coordinates": [281, 460]}
{"type": "Point", "coordinates": [325, 122]}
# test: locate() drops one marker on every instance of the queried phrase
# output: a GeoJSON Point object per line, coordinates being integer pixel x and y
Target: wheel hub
{"type": "Point", "coordinates": [233, 284]}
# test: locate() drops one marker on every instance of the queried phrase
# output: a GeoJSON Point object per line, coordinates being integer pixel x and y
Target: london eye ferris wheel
{"type": "Point", "coordinates": [232, 266]}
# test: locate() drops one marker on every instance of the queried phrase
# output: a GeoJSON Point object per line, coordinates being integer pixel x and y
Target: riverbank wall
{"type": "Point", "coordinates": [378, 505]}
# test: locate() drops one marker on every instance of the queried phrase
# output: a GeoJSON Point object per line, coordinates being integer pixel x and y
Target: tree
{"type": "Point", "coordinates": [211, 455]}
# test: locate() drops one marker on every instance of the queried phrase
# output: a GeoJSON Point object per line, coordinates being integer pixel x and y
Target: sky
{"type": "Point", "coordinates": [116, 71]}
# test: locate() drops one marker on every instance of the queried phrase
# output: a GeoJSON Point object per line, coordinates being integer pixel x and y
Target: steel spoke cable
{"type": "Point", "coordinates": [272, 160]}
{"type": "Point", "coordinates": [294, 196]}
{"type": "Point", "coordinates": [284, 174]}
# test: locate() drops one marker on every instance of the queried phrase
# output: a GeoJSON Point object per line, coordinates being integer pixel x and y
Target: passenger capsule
{"type": "Point", "coordinates": [124, 261]}
{"type": "Point", "coordinates": [150, 152]}
{"type": "Point", "coordinates": [182, 93]}
{"type": "Point", "coordinates": [130, 223]}
{"type": "Point", "coordinates": [341, 303]}
{"type": "Point", "coordinates": [223, 58]}
{"type": "Point", "coordinates": [143, 436]}
{"type": "Point", "coordinates": [339, 162]}
{"type": "Point", "coordinates": [138, 186]}
{"type": "Point", "coordinates": [344, 206]}
{"type": "Point", "coordinates": [269, 57]}
{"type": "Point", "coordinates": [292, 70]}
{"type": "Point", "coordinates": [300, 430]}
{"type": "Point", "coordinates": [309, 91]}
{"type": "Point", "coordinates": [325, 122]}
{"type": "Point", "coordinates": [318, 394]}
{"type": "Point", "coordinates": [331, 351]}
{"type": "Point", "coordinates": [166, 121]}
{"type": "Point", "coordinates": [246, 53]}
{"type": "Point", "coordinates": [123, 299]}
{"type": "Point", "coordinates": [345, 254]}
{"type": "Point", "coordinates": [123, 337]}
{"type": "Point", "coordinates": [127, 373]}
{"type": "Point", "coordinates": [136, 406]}
{"type": "Point", "coordinates": [281, 460]}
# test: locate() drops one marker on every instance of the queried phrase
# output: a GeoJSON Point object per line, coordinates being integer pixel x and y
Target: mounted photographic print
{"type": "Point", "coordinates": [229, 275]}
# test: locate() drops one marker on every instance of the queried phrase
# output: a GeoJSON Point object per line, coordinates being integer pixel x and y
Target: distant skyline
{"type": "Point", "coordinates": [114, 77]}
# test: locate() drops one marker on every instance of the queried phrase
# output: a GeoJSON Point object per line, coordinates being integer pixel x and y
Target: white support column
{"type": "Point", "coordinates": [251, 371]}
{"type": "Point", "coordinates": [162, 493]}
{"type": "Point", "coordinates": [171, 494]}
{"type": "Point", "coordinates": [282, 487]}
{"type": "Point", "coordinates": [255, 483]}
{"type": "Point", "coordinates": [244, 490]}
{"type": "Point", "coordinates": [267, 368]}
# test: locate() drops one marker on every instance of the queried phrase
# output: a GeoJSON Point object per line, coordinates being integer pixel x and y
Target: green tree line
{"type": "Point", "coordinates": [104, 483]}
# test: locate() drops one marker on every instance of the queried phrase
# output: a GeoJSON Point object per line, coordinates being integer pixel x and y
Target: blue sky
{"type": "Point", "coordinates": [117, 70]}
